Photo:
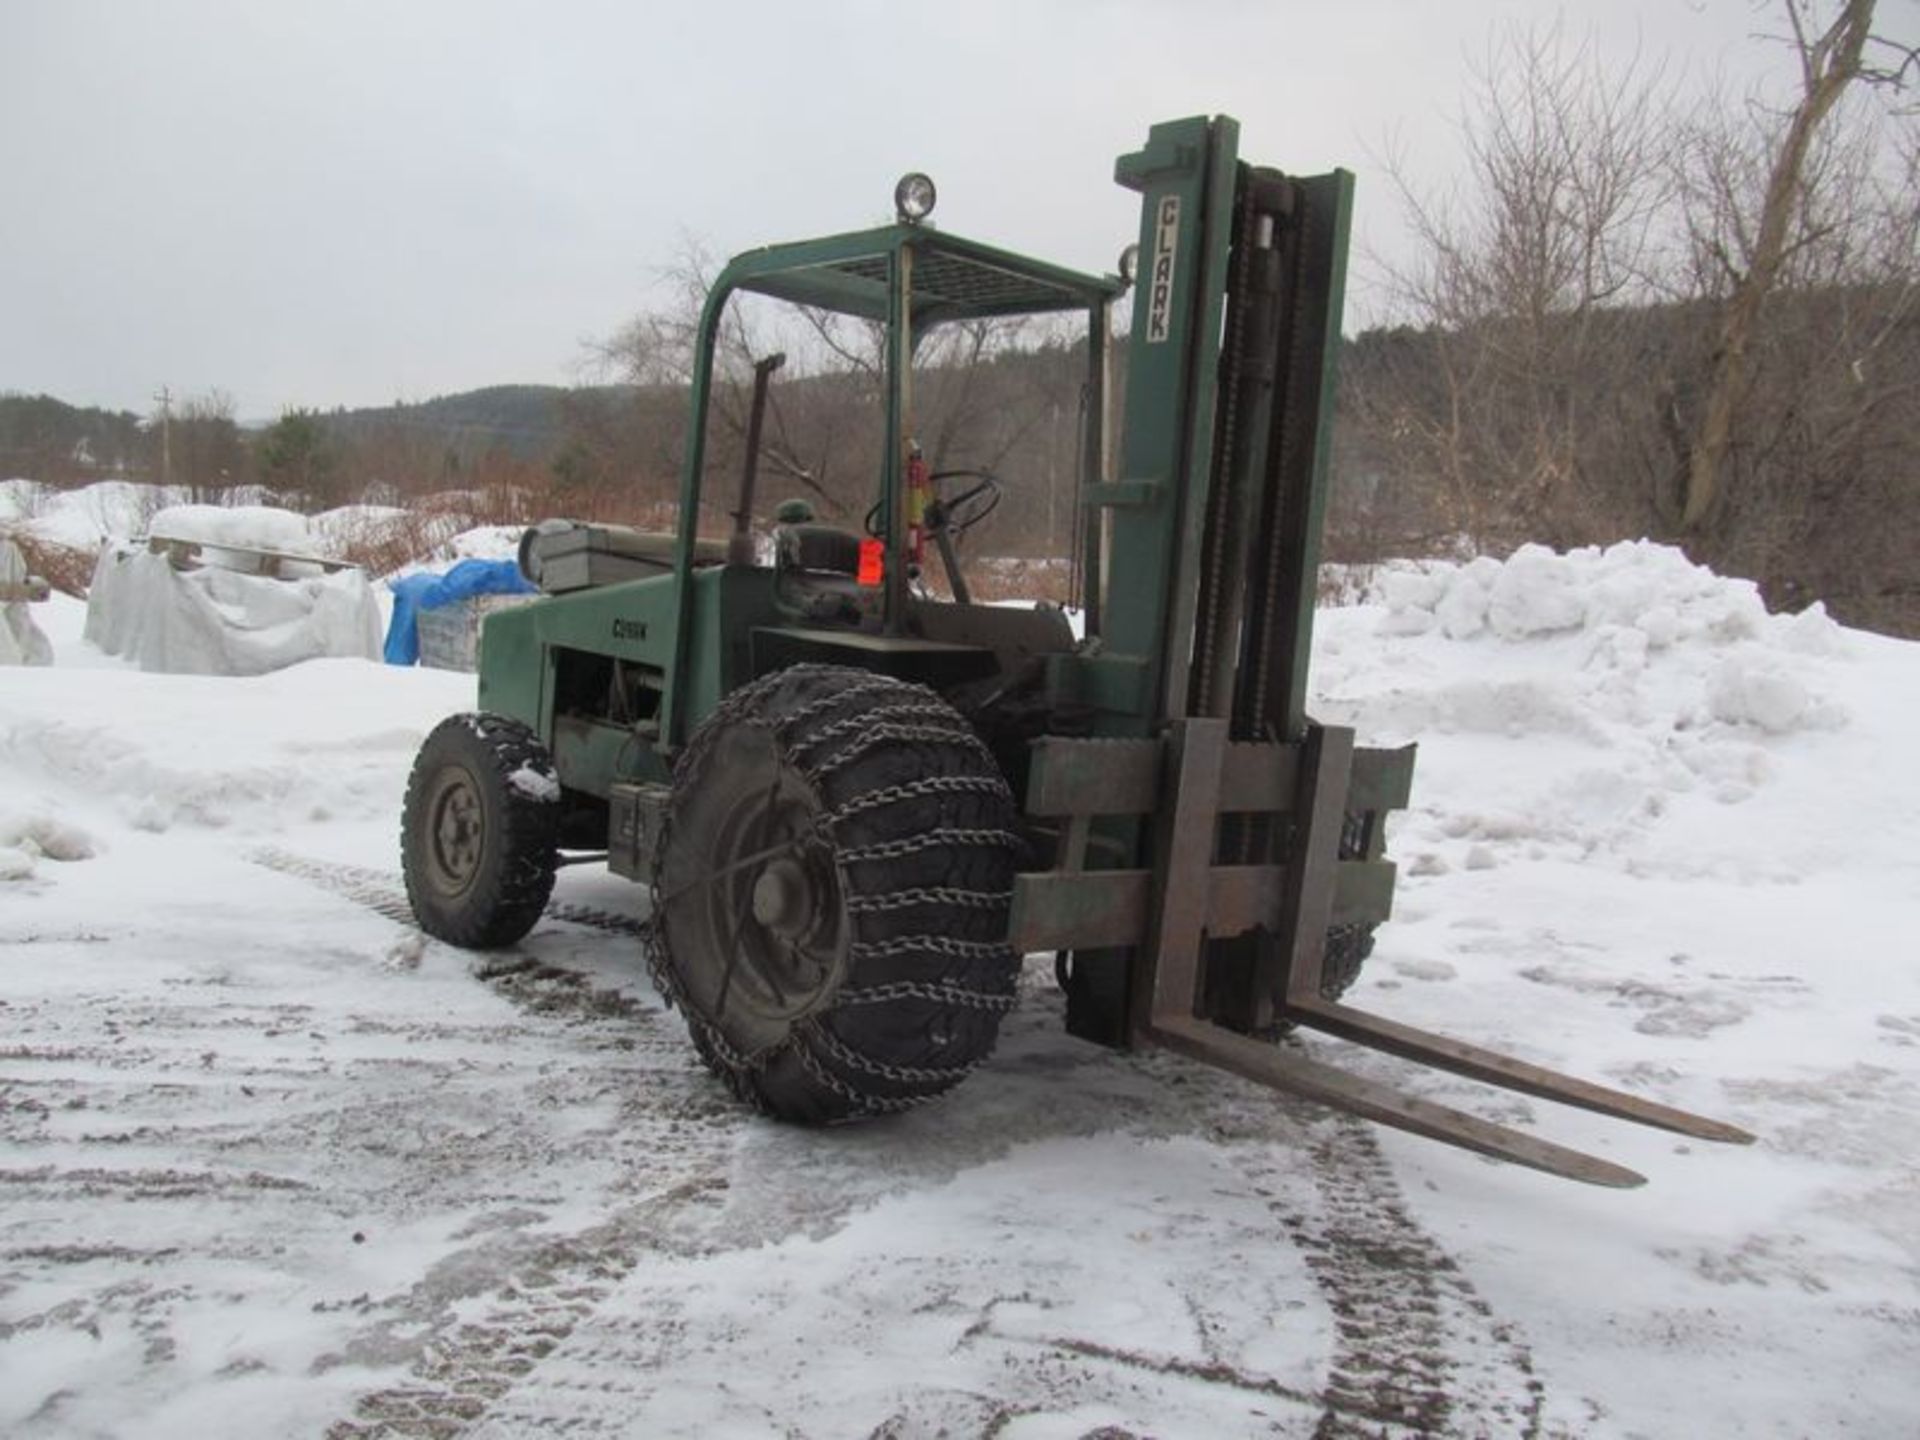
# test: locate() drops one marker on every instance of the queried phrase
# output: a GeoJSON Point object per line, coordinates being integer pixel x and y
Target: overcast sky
{"type": "Point", "coordinates": [353, 203]}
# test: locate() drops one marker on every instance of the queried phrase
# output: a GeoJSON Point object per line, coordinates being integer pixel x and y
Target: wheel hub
{"type": "Point", "coordinates": [457, 833]}
{"type": "Point", "coordinates": [782, 899]}
{"type": "Point", "coordinates": [753, 893]}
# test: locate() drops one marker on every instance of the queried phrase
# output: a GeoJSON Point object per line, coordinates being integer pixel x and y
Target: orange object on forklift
{"type": "Point", "coordinates": [873, 562]}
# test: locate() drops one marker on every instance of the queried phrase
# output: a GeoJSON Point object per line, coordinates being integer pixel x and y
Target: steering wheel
{"type": "Point", "coordinates": [957, 515]}
{"type": "Point", "coordinates": [960, 513]}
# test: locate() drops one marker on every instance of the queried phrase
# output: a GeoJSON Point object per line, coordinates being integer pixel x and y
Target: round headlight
{"type": "Point", "coordinates": [913, 197]}
{"type": "Point", "coordinates": [1130, 264]}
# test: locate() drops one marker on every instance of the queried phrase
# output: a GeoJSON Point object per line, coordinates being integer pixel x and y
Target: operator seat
{"type": "Point", "coordinates": [822, 549]}
{"type": "Point", "coordinates": [564, 555]}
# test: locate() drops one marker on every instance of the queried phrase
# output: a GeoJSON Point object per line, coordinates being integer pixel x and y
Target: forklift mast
{"type": "Point", "coordinates": [1206, 551]}
{"type": "Point", "coordinates": [1209, 539]}
{"type": "Point", "coordinates": [1221, 863]}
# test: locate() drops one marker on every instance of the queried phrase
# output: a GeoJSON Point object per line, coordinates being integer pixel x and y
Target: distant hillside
{"type": "Point", "coordinates": [409, 444]}
{"type": "Point", "coordinates": [523, 420]}
{"type": "Point", "coordinates": [42, 438]}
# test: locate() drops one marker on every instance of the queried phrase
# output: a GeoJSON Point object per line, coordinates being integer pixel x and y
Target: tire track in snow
{"type": "Point", "coordinates": [381, 891]}
{"type": "Point", "coordinates": [1417, 1351]}
{"type": "Point", "coordinates": [539, 1155]}
{"type": "Point", "coordinates": [459, 1368]}
{"type": "Point", "coordinates": [521, 977]}
{"type": "Point", "coordinates": [533, 1298]}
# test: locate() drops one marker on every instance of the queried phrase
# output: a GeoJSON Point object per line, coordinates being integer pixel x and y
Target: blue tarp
{"type": "Point", "coordinates": [414, 593]}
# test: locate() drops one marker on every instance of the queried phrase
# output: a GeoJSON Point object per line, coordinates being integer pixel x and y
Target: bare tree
{"type": "Point", "coordinates": [1754, 243]}
{"type": "Point", "coordinates": [1515, 297]}
{"type": "Point", "coordinates": [1795, 408]}
{"type": "Point", "coordinates": [824, 431]}
{"type": "Point", "coordinates": [208, 453]}
{"type": "Point", "coordinates": [805, 439]}
{"type": "Point", "coordinates": [1637, 320]}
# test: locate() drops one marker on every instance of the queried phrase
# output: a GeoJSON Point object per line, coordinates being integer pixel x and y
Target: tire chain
{"type": "Point", "coordinates": [860, 724]}
{"type": "Point", "coordinates": [942, 992]}
{"type": "Point", "coordinates": [735, 1067]}
{"type": "Point", "coordinates": [791, 722]}
{"type": "Point", "coordinates": [920, 944]}
{"type": "Point", "coordinates": [942, 835]}
{"type": "Point", "coordinates": [926, 895]}
{"type": "Point", "coordinates": [873, 735]}
{"type": "Point", "coordinates": [915, 789]}
{"type": "Point", "coordinates": [686, 771]}
{"type": "Point", "coordinates": [898, 1074]}
{"type": "Point", "coordinates": [864, 1103]}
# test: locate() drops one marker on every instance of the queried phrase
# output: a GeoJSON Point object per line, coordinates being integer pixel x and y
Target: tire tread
{"type": "Point", "coordinates": [509, 895]}
{"type": "Point", "coordinates": [929, 917]}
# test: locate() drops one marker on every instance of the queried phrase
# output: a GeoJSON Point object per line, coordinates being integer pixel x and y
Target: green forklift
{"type": "Point", "coordinates": [860, 801]}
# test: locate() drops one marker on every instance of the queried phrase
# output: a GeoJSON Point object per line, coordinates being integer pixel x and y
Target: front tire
{"type": "Point", "coordinates": [479, 833]}
{"type": "Point", "coordinates": [831, 894]}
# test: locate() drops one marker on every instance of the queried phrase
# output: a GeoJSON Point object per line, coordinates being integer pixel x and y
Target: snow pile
{"type": "Point", "coordinates": [35, 835]}
{"type": "Point", "coordinates": [224, 616]}
{"type": "Point", "coordinates": [21, 642]}
{"type": "Point", "coordinates": [488, 542]}
{"type": "Point", "coordinates": [90, 515]}
{"type": "Point", "coordinates": [1636, 585]}
{"type": "Point", "coordinates": [215, 621]}
{"type": "Point", "coordinates": [1659, 684]}
{"type": "Point", "coordinates": [235, 529]}
{"type": "Point", "coordinates": [347, 528]}
{"type": "Point", "coordinates": [87, 517]}
{"type": "Point", "coordinates": [436, 530]}
{"type": "Point", "coordinates": [129, 754]}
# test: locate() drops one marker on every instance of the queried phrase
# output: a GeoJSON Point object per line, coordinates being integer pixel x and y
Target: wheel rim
{"type": "Point", "coordinates": [754, 898]}
{"type": "Point", "coordinates": [456, 831]}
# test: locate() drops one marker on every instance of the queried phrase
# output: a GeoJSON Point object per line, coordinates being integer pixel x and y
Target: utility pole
{"type": "Point", "coordinates": [165, 397]}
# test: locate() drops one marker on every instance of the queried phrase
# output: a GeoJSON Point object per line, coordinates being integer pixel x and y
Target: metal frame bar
{"type": "Point", "coordinates": [802, 273]}
{"type": "Point", "coordinates": [893, 499]}
{"type": "Point", "coordinates": [1185, 847]}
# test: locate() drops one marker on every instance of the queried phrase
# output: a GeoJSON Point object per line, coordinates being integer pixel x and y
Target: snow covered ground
{"type": "Point", "coordinates": [85, 517]}
{"type": "Point", "coordinates": [273, 1163]}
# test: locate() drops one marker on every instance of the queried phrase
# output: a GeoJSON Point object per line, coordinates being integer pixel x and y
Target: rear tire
{"type": "Point", "coordinates": [1348, 946]}
{"type": "Point", "coordinates": [1232, 962]}
{"type": "Point", "coordinates": [831, 894]}
{"type": "Point", "coordinates": [479, 833]}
